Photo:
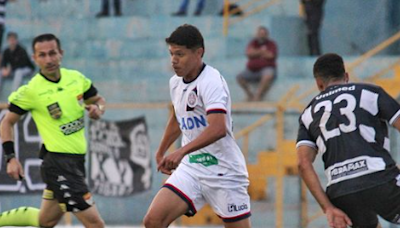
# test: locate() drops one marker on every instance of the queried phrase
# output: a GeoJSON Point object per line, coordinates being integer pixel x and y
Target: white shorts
{"type": "Point", "coordinates": [227, 196]}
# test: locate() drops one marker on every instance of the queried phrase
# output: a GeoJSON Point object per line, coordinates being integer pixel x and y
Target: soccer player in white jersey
{"type": "Point", "coordinates": [209, 167]}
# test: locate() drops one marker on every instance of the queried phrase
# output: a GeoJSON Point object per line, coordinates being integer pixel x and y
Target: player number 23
{"type": "Point", "coordinates": [347, 111]}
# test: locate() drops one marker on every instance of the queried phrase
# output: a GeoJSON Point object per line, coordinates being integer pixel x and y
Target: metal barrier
{"type": "Point", "coordinates": [380, 47]}
{"type": "Point", "coordinates": [279, 113]}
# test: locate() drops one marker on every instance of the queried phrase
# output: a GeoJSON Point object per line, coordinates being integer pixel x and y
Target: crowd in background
{"type": "Point", "coordinates": [261, 69]}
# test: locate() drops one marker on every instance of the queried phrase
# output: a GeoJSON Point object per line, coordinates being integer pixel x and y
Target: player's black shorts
{"type": "Point", "coordinates": [64, 175]}
{"type": "Point", "coordinates": [363, 207]}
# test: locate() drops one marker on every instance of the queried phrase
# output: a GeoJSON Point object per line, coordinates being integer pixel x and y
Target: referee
{"type": "Point", "coordinates": [57, 98]}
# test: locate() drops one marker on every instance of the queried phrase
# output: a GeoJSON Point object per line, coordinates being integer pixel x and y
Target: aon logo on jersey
{"type": "Point", "coordinates": [189, 123]}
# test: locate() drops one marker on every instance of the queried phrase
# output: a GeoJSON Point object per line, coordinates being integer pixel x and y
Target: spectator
{"type": "Point", "coordinates": [16, 62]}
{"type": "Point", "coordinates": [184, 6]}
{"type": "Point", "coordinates": [2, 20]}
{"type": "Point", "coordinates": [313, 17]}
{"type": "Point", "coordinates": [105, 8]}
{"type": "Point", "coordinates": [261, 65]}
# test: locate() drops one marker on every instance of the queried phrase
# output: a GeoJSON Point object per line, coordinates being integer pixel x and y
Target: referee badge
{"type": "Point", "coordinates": [54, 110]}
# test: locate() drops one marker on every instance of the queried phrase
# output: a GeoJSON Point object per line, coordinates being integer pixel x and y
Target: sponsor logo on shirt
{"type": "Point", "coordinates": [353, 168]}
{"type": "Point", "coordinates": [73, 126]}
{"type": "Point", "coordinates": [205, 159]}
{"type": "Point", "coordinates": [234, 207]}
{"type": "Point", "coordinates": [189, 123]}
{"type": "Point", "coordinates": [349, 88]}
{"type": "Point", "coordinates": [349, 169]}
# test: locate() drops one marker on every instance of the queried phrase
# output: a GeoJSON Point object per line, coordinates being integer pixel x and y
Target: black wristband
{"type": "Point", "coordinates": [8, 157]}
{"type": "Point", "coordinates": [8, 147]}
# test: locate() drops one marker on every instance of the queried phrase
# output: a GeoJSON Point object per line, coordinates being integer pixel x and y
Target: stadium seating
{"type": "Point", "coordinates": [268, 166]}
{"type": "Point", "coordinates": [390, 84]}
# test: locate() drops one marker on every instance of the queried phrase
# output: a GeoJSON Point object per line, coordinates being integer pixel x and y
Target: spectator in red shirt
{"type": "Point", "coordinates": [261, 65]}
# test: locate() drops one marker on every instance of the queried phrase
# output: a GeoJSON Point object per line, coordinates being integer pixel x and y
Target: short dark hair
{"type": "Point", "coordinates": [261, 27]}
{"type": "Point", "coordinates": [45, 37]}
{"type": "Point", "coordinates": [329, 66]}
{"type": "Point", "coordinates": [12, 34]}
{"type": "Point", "coordinates": [186, 35]}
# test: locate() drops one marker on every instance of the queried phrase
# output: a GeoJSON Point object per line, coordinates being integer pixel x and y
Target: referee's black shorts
{"type": "Point", "coordinates": [64, 175]}
{"type": "Point", "coordinates": [364, 206]}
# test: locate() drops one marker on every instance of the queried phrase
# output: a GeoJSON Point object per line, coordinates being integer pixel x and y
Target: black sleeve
{"type": "Point", "coordinates": [5, 59]}
{"type": "Point", "coordinates": [28, 60]}
{"type": "Point", "coordinates": [91, 92]}
{"type": "Point", "coordinates": [16, 109]}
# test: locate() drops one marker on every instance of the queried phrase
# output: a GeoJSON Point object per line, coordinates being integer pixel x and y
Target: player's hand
{"type": "Point", "coordinates": [337, 218]}
{"type": "Point", "coordinates": [5, 72]}
{"type": "Point", "coordinates": [94, 111]}
{"type": "Point", "coordinates": [14, 169]}
{"type": "Point", "coordinates": [161, 168]}
{"type": "Point", "coordinates": [267, 54]}
{"type": "Point", "coordinates": [171, 161]}
{"type": "Point", "coordinates": [159, 157]}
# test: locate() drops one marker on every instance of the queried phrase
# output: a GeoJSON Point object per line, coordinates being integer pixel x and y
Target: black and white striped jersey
{"type": "Point", "coordinates": [347, 124]}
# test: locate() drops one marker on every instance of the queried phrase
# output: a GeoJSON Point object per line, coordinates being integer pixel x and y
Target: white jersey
{"type": "Point", "coordinates": [192, 101]}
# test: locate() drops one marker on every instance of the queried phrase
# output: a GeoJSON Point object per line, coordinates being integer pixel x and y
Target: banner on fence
{"type": "Point", "coordinates": [120, 160]}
